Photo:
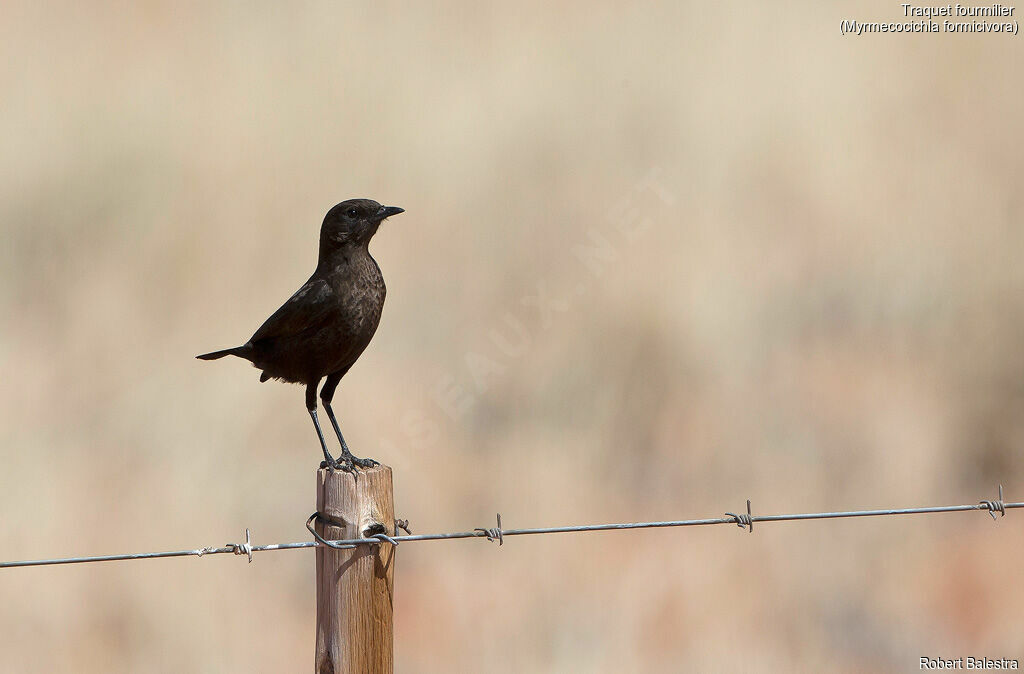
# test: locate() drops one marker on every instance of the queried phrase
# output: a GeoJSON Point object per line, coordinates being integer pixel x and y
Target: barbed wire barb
{"type": "Point", "coordinates": [495, 534]}
{"type": "Point", "coordinates": [744, 521]}
{"type": "Point", "coordinates": [995, 506]}
{"type": "Point", "coordinates": [243, 548]}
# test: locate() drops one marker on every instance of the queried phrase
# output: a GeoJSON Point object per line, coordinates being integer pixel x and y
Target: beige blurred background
{"type": "Point", "coordinates": [656, 260]}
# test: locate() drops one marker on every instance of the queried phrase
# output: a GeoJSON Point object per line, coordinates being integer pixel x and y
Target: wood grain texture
{"type": "Point", "coordinates": [354, 631]}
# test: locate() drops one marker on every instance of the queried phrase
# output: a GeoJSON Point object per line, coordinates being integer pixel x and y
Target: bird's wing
{"type": "Point", "coordinates": [308, 308]}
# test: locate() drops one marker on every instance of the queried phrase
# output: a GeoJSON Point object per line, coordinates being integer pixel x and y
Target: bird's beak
{"type": "Point", "coordinates": [388, 211]}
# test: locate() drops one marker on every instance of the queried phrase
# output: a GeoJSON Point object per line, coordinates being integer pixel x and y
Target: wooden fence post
{"type": "Point", "coordinates": [354, 632]}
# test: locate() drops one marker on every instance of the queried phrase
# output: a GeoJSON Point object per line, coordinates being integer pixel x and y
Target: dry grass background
{"type": "Point", "coordinates": [817, 306]}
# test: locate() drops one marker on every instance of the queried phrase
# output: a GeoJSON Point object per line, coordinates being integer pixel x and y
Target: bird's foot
{"type": "Point", "coordinates": [338, 464]}
{"type": "Point", "coordinates": [349, 464]}
{"type": "Point", "coordinates": [357, 462]}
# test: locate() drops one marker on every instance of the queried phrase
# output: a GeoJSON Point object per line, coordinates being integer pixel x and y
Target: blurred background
{"type": "Point", "coordinates": [656, 260]}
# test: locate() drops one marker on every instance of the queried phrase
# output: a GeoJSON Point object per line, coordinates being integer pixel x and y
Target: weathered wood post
{"type": "Point", "coordinates": [354, 632]}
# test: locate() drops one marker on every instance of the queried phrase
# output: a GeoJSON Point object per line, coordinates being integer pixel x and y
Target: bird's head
{"type": "Point", "coordinates": [353, 222]}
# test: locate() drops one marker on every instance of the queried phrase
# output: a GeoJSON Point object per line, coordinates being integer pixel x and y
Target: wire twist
{"type": "Point", "coordinates": [495, 534]}
{"type": "Point", "coordinates": [243, 548]}
{"type": "Point", "coordinates": [385, 537]}
{"type": "Point", "coordinates": [744, 521]}
{"type": "Point", "coordinates": [375, 538]}
{"type": "Point", "coordinates": [320, 539]}
{"type": "Point", "coordinates": [996, 506]}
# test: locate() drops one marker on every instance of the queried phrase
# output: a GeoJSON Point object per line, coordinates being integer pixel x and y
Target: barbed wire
{"type": "Point", "coordinates": [498, 533]}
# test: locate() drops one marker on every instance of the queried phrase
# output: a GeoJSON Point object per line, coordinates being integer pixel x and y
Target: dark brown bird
{"type": "Point", "coordinates": [324, 327]}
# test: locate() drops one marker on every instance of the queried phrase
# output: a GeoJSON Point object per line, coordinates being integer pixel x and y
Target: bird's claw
{"type": "Point", "coordinates": [335, 464]}
{"type": "Point", "coordinates": [363, 463]}
{"type": "Point", "coordinates": [349, 464]}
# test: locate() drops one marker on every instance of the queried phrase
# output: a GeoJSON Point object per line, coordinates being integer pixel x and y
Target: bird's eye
{"type": "Point", "coordinates": [351, 212]}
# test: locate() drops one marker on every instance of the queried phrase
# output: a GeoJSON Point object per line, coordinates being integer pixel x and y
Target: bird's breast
{"type": "Point", "coordinates": [360, 292]}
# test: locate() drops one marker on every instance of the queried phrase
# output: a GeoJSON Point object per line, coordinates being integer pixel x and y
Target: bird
{"type": "Point", "coordinates": [320, 332]}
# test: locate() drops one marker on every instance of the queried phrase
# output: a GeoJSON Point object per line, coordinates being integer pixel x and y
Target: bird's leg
{"type": "Point", "coordinates": [346, 455]}
{"type": "Point", "coordinates": [311, 407]}
{"type": "Point", "coordinates": [326, 396]}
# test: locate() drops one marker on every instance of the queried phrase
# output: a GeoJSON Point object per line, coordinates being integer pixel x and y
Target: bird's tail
{"type": "Point", "coordinates": [239, 351]}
